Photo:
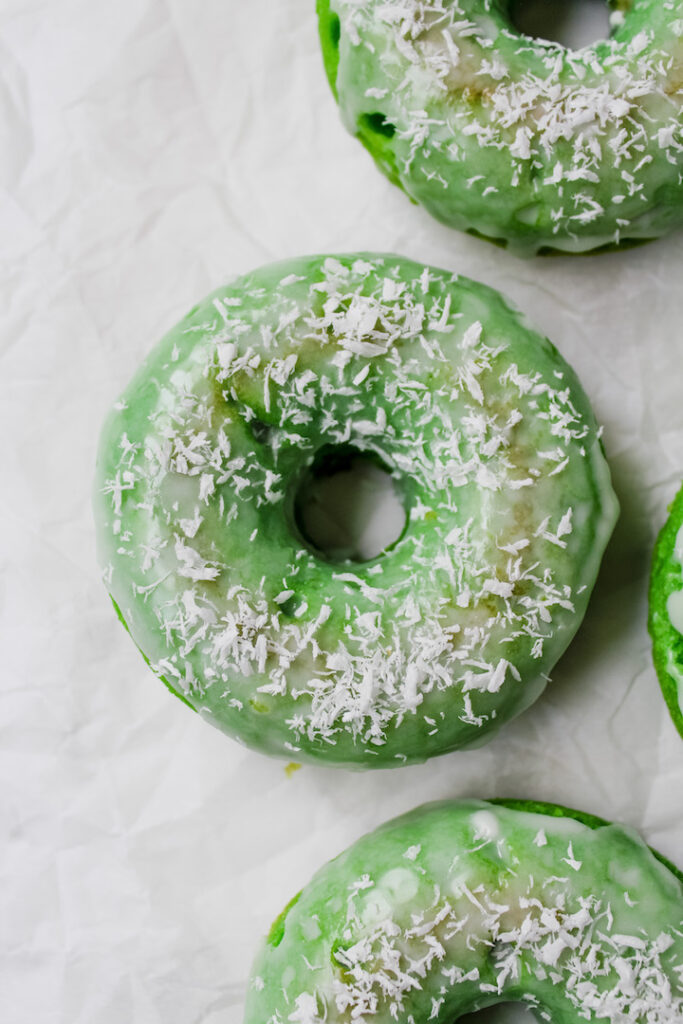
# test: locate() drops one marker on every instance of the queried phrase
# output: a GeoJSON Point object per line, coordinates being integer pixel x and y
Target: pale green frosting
{"type": "Point", "coordinates": [457, 906]}
{"type": "Point", "coordinates": [674, 604]}
{"type": "Point", "coordinates": [674, 607]}
{"type": "Point", "coordinates": [676, 674]}
{"type": "Point", "coordinates": [431, 646]}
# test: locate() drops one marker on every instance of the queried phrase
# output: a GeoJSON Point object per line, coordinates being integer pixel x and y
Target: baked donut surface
{"type": "Point", "coordinates": [491, 442]}
{"type": "Point", "coordinates": [460, 905]}
{"type": "Point", "coordinates": [519, 140]}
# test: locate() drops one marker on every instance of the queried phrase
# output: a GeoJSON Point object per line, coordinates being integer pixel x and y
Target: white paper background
{"type": "Point", "coordinates": [150, 149]}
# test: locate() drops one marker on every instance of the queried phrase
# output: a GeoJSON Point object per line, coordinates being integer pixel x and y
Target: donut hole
{"type": "Point", "coordinates": [347, 506]}
{"type": "Point", "coordinates": [503, 1013]}
{"type": "Point", "coordinates": [572, 23]}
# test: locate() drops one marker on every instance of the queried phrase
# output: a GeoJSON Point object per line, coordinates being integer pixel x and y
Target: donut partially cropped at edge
{"type": "Point", "coordinates": [666, 610]}
{"type": "Point", "coordinates": [521, 141]}
{"type": "Point", "coordinates": [459, 905]}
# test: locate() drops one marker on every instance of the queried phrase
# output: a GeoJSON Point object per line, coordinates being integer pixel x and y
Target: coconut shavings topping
{"type": "Point", "coordinates": [487, 922]}
{"type": "Point", "coordinates": [571, 942]}
{"type": "Point", "coordinates": [516, 137]}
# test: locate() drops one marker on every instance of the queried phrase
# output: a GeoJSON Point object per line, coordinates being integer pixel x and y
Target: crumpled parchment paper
{"type": "Point", "coordinates": [149, 150]}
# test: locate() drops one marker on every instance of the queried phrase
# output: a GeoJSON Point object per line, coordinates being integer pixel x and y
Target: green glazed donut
{"type": "Point", "coordinates": [488, 434]}
{"type": "Point", "coordinates": [519, 140]}
{"type": "Point", "coordinates": [460, 905]}
{"type": "Point", "coordinates": [666, 610]}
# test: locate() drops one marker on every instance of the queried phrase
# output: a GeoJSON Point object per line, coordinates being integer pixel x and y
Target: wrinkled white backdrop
{"type": "Point", "coordinates": [150, 149]}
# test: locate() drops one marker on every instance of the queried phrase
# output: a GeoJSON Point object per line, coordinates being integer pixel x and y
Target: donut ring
{"type": "Point", "coordinates": [666, 610]}
{"type": "Point", "coordinates": [452, 631]}
{"type": "Point", "coordinates": [460, 905]}
{"type": "Point", "coordinates": [518, 140]}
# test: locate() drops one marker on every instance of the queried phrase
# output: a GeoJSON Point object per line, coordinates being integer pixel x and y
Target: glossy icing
{"type": "Point", "coordinates": [491, 441]}
{"type": "Point", "coordinates": [520, 140]}
{"type": "Point", "coordinates": [460, 905]}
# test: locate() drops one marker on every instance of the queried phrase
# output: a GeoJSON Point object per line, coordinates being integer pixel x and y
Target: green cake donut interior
{"type": "Point", "coordinates": [459, 905]}
{"type": "Point", "coordinates": [643, 28]}
{"type": "Point", "coordinates": [666, 578]}
{"type": "Point", "coordinates": [492, 447]}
